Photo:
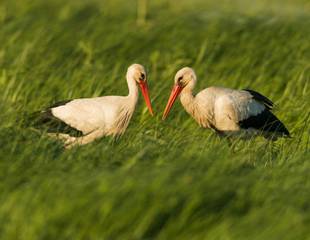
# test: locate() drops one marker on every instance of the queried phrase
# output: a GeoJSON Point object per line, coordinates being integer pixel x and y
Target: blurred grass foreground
{"type": "Point", "coordinates": [161, 180]}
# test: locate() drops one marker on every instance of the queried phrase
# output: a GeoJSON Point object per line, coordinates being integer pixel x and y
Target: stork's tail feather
{"type": "Point", "coordinates": [41, 118]}
{"type": "Point", "coordinates": [266, 122]}
{"type": "Point", "coordinates": [273, 124]}
{"type": "Point", "coordinates": [45, 120]}
{"type": "Point", "coordinates": [28, 119]}
{"type": "Point", "coordinates": [35, 119]}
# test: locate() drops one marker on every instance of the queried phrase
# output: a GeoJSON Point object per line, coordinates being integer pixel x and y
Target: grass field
{"type": "Point", "coordinates": [161, 180]}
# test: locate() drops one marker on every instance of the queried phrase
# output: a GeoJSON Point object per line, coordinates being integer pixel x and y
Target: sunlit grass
{"type": "Point", "coordinates": [163, 180]}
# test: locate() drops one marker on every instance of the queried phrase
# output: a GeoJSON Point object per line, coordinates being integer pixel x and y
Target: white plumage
{"type": "Point", "coordinates": [81, 121]}
{"type": "Point", "coordinates": [90, 114]}
{"type": "Point", "coordinates": [228, 111]}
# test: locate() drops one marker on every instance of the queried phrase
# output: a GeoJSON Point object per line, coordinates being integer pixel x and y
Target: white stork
{"type": "Point", "coordinates": [244, 113]}
{"type": "Point", "coordinates": [81, 121]}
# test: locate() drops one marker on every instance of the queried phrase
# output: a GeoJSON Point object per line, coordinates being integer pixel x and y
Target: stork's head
{"type": "Point", "coordinates": [137, 73]}
{"type": "Point", "coordinates": [185, 79]}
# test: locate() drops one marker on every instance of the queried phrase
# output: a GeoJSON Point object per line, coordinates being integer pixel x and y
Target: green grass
{"type": "Point", "coordinates": [161, 180]}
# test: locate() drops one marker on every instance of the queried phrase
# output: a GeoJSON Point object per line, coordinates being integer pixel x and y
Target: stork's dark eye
{"type": "Point", "coordinates": [180, 79]}
{"type": "Point", "coordinates": [142, 77]}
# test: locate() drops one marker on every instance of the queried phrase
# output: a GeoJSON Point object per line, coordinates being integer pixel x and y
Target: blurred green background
{"type": "Point", "coordinates": [161, 180]}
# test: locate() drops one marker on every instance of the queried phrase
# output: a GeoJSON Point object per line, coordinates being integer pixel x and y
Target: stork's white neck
{"type": "Point", "coordinates": [192, 107]}
{"type": "Point", "coordinates": [188, 101]}
{"type": "Point", "coordinates": [133, 88]}
{"type": "Point", "coordinates": [200, 111]}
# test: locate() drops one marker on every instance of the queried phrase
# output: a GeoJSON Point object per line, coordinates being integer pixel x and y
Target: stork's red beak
{"type": "Point", "coordinates": [145, 92]}
{"type": "Point", "coordinates": [173, 96]}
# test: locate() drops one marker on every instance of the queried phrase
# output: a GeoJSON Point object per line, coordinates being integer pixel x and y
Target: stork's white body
{"type": "Point", "coordinates": [89, 114]}
{"type": "Point", "coordinates": [96, 117]}
{"type": "Point", "coordinates": [222, 109]}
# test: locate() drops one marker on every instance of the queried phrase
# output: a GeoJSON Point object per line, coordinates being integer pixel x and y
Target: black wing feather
{"type": "Point", "coordinates": [260, 98]}
{"type": "Point", "coordinates": [60, 103]}
{"type": "Point", "coordinates": [45, 120]}
{"type": "Point", "coordinates": [266, 121]}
